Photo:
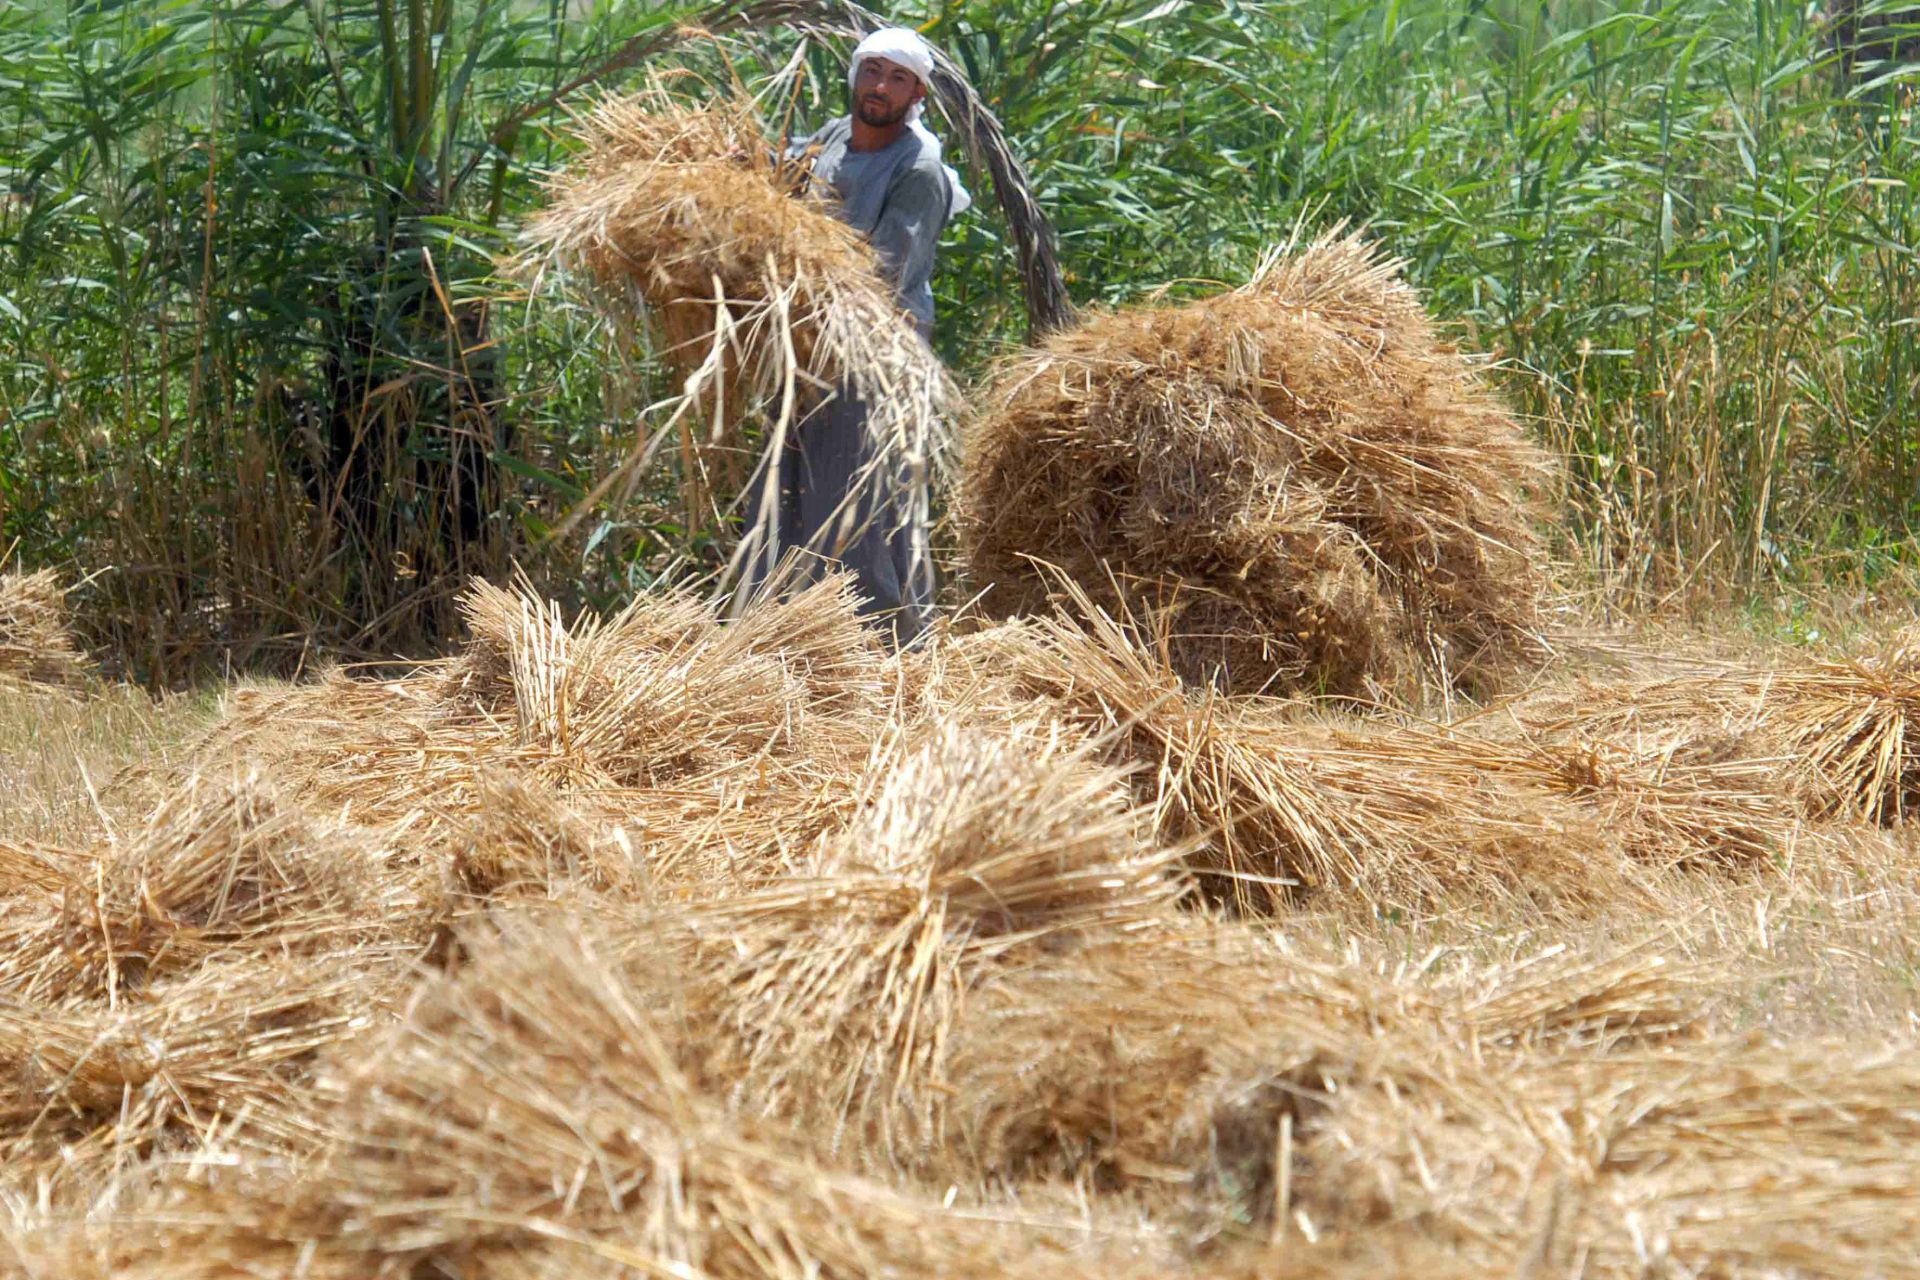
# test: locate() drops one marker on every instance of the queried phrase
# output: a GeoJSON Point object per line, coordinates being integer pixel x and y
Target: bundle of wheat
{"type": "Point", "coordinates": [221, 866]}
{"type": "Point", "coordinates": [36, 642]}
{"type": "Point", "coordinates": [1728, 1158]}
{"type": "Point", "coordinates": [1685, 801]}
{"type": "Point", "coordinates": [532, 1111]}
{"type": "Point", "coordinates": [31, 865]}
{"type": "Point", "coordinates": [217, 1063]}
{"type": "Point", "coordinates": [523, 838]}
{"type": "Point", "coordinates": [374, 752]}
{"type": "Point", "coordinates": [1175, 1065]}
{"type": "Point", "coordinates": [732, 744]}
{"type": "Point", "coordinates": [1832, 734]}
{"type": "Point", "coordinates": [723, 749]}
{"type": "Point", "coordinates": [1285, 802]}
{"type": "Point", "coordinates": [835, 992]}
{"type": "Point", "coordinates": [1297, 476]}
{"type": "Point", "coordinates": [1848, 721]}
{"type": "Point", "coordinates": [1277, 808]}
{"type": "Point", "coordinates": [166, 992]}
{"type": "Point", "coordinates": [764, 299]}
{"type": "Point", "coordinates": [664, 688]}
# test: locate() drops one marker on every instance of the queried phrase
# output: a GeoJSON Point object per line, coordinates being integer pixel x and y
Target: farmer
{"type": "Point", "coordinates": [883, 170]}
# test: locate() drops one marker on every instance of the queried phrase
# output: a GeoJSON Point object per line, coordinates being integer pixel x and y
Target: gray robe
{"type": "Point", "coordinates": [899, 197]}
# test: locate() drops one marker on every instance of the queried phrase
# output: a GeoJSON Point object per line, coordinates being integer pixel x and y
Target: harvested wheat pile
{"type": "Point", "coordinates": [724, 749]}
{"type": "Point", "coordinates": [683, 214]}
{"type": "Point", "coordinates": [1173, 1066]}
{"type": "Point", "coordinates": [1730, 1159]}
{"type": "Point", "coordinates": [732, 745]}
{"type": "Point", "coordinates": [165, 993]}
{"type": "Point", "coordinates": [530, 1116]}
{"type": "Point", "coordinates": [1296, 479]}
{"type": "Point", "coordinates": [524, 839]}
{"type": "Point", "coordinates": [833, 992]}
{"type": "Point", "coordinates": [219, 1060]}
{"type": "Point", "coordinates": [1839, 737]}
{"type": "Point", "coordinates": [221, 866]}
{"type": "Point", "coordinates": [1668, 804]}
{"type": "Point", "coordinates": [663, 690]}
{"type": "Point", "coordinates": [1850, 721]}
{"type": "Point", "coordinates": [1276, 809]}
{"type": "Point", "coordinates": [657, 944]}
{"type": "Point", "coordinates": [36, 643]}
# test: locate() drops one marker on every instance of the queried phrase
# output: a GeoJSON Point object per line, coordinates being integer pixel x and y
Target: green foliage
{"type": "Point", "coordinates": [1684, 240]}
{"type": "Point", "coordinates": [1687, 243]}
{"type": "Point", "coordinates": [250, 273]}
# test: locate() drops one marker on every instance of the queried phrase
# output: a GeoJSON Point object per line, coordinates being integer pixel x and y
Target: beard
{"type": "Point", "coordinates": [873, 113]}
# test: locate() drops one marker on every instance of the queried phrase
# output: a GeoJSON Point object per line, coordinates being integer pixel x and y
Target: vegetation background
{"type": "Point", "coordinates": [264, 382]}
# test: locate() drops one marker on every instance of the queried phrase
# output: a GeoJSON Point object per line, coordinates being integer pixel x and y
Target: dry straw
{"type": "Point", "coordinates": [867, 964]}
{"type": "Point", "coordinates": [1311, 489]}
{"type": "Point", "coordinates": [840, 988]}
{"type": "Point", "coordinates": [729, 745]}
{"type": "Point", "coordinates": [1831, 734]}
{"type": "Point", "coordinates": [171, 989]}
{"type": "Point", "coordinates": [532, 1115]}
{"type": "Point", "coordinates": [1278, 809]}
{"type": "Point", "coordinates": [722, 750]}
{"type": "Point", "coordinates": [220, 1059]}
{"type": "Point", "coordinates": [662, 690]}
{"type": "Point", "coordinates": [1849, 721]}
{"type": "Point", "coordinates": [525, 839]}
{"type": "Point", "coordinates": [218, 867]}
{"type": "Point", "coordinates": [1170, 1066]}
{"type": "Point", "coordinates": [1752, 1160]}
{"type": "Point", "coordinates": [36, 641]}
{"type": "Point", "coordinates": [764, 301]}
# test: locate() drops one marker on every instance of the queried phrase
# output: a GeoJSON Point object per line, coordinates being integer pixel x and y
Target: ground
{"type": "Point", "coordinates": [660, 947]}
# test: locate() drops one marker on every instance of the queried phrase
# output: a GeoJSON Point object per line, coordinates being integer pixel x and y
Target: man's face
{"type": "Point", "coordinates": [884, 91]}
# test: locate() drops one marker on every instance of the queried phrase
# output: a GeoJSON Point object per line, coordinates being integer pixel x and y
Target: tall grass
{"type": "Point", "coordinates": [1685, 238]}
{"type": "Point", "coordinates": [253, 371]}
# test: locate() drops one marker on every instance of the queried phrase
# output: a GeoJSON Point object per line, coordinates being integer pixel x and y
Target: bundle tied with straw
{"type": "Point", "coordinates": [1297, 478]}
{"type": "Point", "coordinates": [36, 642]}
{"type": "Point", "coordinates": [1836, 736]}
{"type": "Point", "coordinates": [763, 301]}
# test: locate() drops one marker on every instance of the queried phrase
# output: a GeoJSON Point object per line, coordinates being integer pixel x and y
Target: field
{"type": "Point", "coordinates": [650, 946]}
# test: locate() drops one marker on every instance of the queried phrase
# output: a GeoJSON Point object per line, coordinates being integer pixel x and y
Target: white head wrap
{"type": "Point", "coordinates": [904, 46]}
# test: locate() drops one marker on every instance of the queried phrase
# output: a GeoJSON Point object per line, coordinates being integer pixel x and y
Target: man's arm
{"type": "Point", "coordinates": [910, 226]}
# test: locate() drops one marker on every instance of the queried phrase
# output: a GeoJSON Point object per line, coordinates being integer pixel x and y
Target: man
{"type": "Point", "coordinates": [883, 169]}
{"type": "Point", "coordinates": [884, 165]}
